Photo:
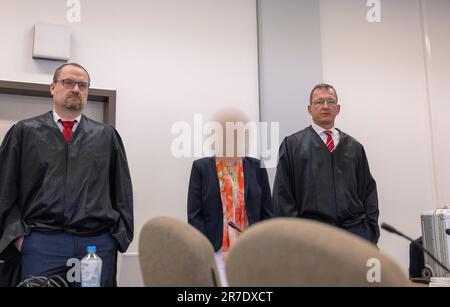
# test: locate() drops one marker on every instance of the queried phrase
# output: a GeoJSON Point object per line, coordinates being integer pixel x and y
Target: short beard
{"type": "Point", "coordinates": [74, 105]}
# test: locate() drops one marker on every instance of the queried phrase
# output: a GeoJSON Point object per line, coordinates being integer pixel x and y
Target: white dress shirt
{"type": "Point", "coordinates": [56, 118]}
{"type": "Point", "coordinates": [321, 132]}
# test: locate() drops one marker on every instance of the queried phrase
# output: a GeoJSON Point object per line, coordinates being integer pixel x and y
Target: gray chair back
{"type": "Point", "coordinates": [297, 252]}
{"type": "Point", "coordinates": [172, 253]}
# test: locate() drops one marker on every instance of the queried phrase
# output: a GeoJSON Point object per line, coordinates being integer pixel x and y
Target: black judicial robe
{"type": "Point", "coordinates": [336, 188]}
{"type": "Point", "coordinates": [83, 187]}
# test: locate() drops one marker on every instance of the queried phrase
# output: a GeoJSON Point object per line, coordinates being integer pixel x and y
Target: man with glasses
{"type": "Point", "coordinates": [323, 173]}
{"type": "Point", "coordinates": [64, 185]}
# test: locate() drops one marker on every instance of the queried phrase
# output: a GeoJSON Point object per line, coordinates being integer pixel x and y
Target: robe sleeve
{"type": "Point", "coordinates": [368, 194]}
{"type": "Point", "coordinates": [283, 192]}
{"type": "Point", "coordinates": [11, 225]}
{"type": "Point", "coordinates": [194, 206]}
{"type": "Point", "coordinates": [121, 193]}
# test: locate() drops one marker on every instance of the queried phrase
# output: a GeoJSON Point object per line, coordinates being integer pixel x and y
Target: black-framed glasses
{"type": "Point", "coordinates": [70, 84]}
{"type": "Point", "coordinates": [321, 102]}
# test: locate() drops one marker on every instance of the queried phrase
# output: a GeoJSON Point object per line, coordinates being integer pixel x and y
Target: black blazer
{"type": "Point", "coordinates": [205, 204]}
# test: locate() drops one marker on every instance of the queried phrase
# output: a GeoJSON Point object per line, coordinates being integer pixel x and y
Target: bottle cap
{"type": "Point", "coordinates": [91, 249]}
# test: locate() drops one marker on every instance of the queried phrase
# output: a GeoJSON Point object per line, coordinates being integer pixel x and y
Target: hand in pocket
{"type": "Point", "coordinates": [19, 243]}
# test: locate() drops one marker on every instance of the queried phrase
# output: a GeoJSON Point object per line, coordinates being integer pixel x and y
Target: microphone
{"type": "Point", "coordinates": [234, 226]}
{"type": "Point", "coordinates": [391, 229]}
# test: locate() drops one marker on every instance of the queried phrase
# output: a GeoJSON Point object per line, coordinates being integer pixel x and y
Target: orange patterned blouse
{"type": "Point", "coordinates": [231, 182]}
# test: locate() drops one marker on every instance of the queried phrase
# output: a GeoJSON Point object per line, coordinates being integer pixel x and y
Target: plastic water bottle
{"type": "Point", "coordinates": [91, 268]}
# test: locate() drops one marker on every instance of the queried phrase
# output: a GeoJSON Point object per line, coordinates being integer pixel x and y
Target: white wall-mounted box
{"type": "Point", "coordinates": [51, 42]}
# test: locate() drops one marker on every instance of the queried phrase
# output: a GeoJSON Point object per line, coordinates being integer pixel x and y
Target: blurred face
{"type": "Point", "coordinates": [324, 108]}
{"type": "Point", "coordinates": [232, 143]}
{"type": "Point", "coordinates": [233, 133]}
{"type": "Point", "coordinates": [66, 94]}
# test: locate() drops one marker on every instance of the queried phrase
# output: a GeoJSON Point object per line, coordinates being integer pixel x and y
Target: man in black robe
{"type": "Point", "coordinates": [64, 185]}
{"type": "Point", "coordinates": [323, 173]}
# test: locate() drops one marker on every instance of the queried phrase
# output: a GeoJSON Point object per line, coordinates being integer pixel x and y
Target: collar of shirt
{"type": "Point", "coordinates": [56, 118]}
{"type": "Point", "coordinates": [321, 132]}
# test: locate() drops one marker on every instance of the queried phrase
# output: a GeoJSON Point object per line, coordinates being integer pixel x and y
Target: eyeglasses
{"type": "Point", "coordinates": [70, 84]}
{"type": "Point", "coordinates": [322, 102]}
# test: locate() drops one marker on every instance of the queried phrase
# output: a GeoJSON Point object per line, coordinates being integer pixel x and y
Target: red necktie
{"type": "Point", "coordinates": [330, 142]}
{"type": "Point", "coordinates": [67, 132]}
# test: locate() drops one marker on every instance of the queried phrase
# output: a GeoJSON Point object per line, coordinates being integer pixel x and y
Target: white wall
{"type": "Point", "coordinates": [437, 33]}
{"type": "Point", "coordinates": [380, 71]}
{"type": "Point", "coordinates": [167, 59]}
{"type": "Point", "coordinates": [290, 63]}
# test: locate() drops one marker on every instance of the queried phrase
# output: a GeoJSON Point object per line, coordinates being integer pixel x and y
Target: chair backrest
{"type": "Point", "coordinates": [296, 252]}
{"type": "Point", "coordinates": [175, 254]}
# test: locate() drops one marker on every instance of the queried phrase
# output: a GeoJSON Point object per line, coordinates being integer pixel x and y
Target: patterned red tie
{"type": "Point", "coordinates": [67, 132]}
{"type": "Point", "coordinates": [330, 142]}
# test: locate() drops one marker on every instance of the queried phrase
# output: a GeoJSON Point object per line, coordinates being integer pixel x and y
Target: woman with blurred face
{"type": "Point", "coordinates": [228, 192]}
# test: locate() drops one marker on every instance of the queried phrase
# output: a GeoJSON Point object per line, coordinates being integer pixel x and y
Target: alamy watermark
{"type": "Point", "coordinates": [374, 273]}
{"type": "Point", "coordinates": [74, 12]}
{"type": "Point", "coordinates": [200, 139]}
{"type": "Point", "coordinates": [74, 273]}
{"type": "Point", "coordinates": [374, 13]}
